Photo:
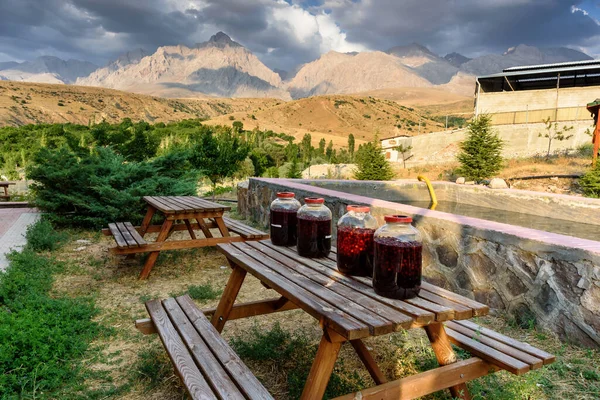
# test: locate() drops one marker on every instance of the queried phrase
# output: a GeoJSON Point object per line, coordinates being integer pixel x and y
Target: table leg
{"type": "Point", "coordinates": [204, 228]}
{"type": "Point", "coordinates": [222, 227]}
{"type": "Point", "coordinates": [321, 369]}
{"type": "Point", "coordinates": [147, 220]}
{"type": "Point", "coordinates": [162, 236]}
{"type": "Point", "coordinates": [228, 297]}
{"type": "Point", "coordinates": [367, 359]}
{"type": "Point", "coordinates": [445, 355]}
{"type": "Point", "coordinates": [189, 228]}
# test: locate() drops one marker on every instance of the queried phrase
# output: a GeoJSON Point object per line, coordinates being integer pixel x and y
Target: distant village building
{"type": "Point", "coordinates": [518, 100]}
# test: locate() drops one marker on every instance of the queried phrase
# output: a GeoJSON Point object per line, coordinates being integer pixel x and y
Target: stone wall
{"type": "Point", "coordinates": [522, 271]}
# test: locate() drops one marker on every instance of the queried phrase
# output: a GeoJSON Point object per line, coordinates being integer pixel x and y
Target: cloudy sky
{"type": "Point", "coordinates": [286, 33]}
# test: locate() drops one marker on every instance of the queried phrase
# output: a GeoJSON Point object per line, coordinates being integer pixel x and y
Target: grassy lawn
{"type": "Point", "coordinates": [120, 362]}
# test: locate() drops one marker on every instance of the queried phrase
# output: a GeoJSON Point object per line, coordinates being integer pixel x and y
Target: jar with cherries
{"type": "Point", "coordinates": [283, 219]}
{"type": "Point", "coordinates": [397, 258]}
{"type": "Point", "coordinates": [355, 232]}
{"type": "Point", "coordinates": [314, 228]}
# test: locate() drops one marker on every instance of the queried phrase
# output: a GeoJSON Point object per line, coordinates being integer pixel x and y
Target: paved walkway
{"type": "Point", "coordinates": [13, 224]}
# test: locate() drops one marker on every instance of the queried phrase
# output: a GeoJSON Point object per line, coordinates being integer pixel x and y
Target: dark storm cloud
{"type": "Point", "coordinates": [284, 34]}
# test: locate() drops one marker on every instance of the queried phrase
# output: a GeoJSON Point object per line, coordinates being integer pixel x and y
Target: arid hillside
{"type": "Point", "coordinates": [29, 103]}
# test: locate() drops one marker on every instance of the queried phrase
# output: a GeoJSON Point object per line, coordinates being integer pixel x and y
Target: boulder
{"type": "Point", "coordinates": [461, 180]}
{"type": "Point", "coordinates": [498, 183]}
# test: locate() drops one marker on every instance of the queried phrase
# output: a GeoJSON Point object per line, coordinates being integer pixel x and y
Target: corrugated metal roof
{"type": "Point", "coordinates": [583, 68]}
{"type": "Point", "coordinates": [552, 66]}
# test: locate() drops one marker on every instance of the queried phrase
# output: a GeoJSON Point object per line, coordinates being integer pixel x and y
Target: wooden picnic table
{"type": "Point", "coordinates": [179, 213]}
{"type": "Point", "coordinates": [349, 310]}
{"type": "Point", "coordinates": [5, 185]}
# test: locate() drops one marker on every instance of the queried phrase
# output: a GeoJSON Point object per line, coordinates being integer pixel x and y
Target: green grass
{"type": "Point", "coordinates": [203, 292]}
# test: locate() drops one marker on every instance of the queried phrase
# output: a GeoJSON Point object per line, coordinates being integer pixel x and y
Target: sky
{"type": "Point", "coordinates": [287, 33]}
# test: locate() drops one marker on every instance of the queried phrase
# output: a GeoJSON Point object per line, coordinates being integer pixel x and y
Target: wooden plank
{"type": "Point", "coordinates": [339, 321]}
{"type": "Point", "coordinates": [368, 361]}
{"type": "Point", "coordinates": [147, 220]}
{"type": "Point", "coordinates": [176, 245]}
{"type": "Point", "coordinates": [533, 362]}
{"type": "Point", "coordinates": [114, 230]}
{"type": "Point", "coordinates": [489, 354]}
{"type": "Point", "coordinates": [194, 215]}
{"type": "Point", "coordinates": [479, 309]}
{"type": "Point", "coordinates": [157, 204]}
{"type": "Point", "coordinates": [135, 234]}
{"type": "Point", "coordinates": [211, 368]}
{"type": "Point", "coordinates": [254, 308]}
{"type": "Point", "coordinates": [186, 200]}
{"type": "Point", "coordinates": [328, 268]}
{"type": "Point", "coordinates": [245, 379]}
{"type": "Point", "coordinates": [146, 326]}
{"type": "Point", "coordinates": [322, 289]}
{"type": "Point", "coordinates": [180, 357]}
{"type": "Point", "coordinates": [190, 229]}
{"type": "Point", "coordinates": [321, 370]}
{"type": "Point", "coordinates": [126, 235]}
{"type": "Point", "coordinates": [425, 383]}
{"type": "Point", "coordinates": [205, 230]}
{"type": "Point", "coordinates": [398, 320]}
{"type": "Point", "coordinates": [239, 228]}
{"type": "Point", "coordinates": [228, 297]}
{"type": "Point", "coordinates": [442, 313]}
{"type": "Point", "coordinates": [222, 228]}
{"type": "Point", "coordinates": [460, 311]}
{"type": "Point", "coordinates": [162, 236]}
{"type": "Point", "coordinates": [525, 347]}
{"type": "Point", "coordinates": [210, 205]}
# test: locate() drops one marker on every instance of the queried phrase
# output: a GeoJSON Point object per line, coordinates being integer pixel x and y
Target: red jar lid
{"type": "Point", "coordinates": [398, 218]}
{"type": "Point", "coordinates": [285, 195]}
{"type": "Point", "coordinates": [357, 208]}
{"type": "Point", "coordinates": [314, 200]}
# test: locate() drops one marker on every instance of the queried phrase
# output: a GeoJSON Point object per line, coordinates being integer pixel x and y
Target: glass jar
{"type": "Point", "coordinates": [355, 232]}
{"type": "Point", "coordinates": [283, 219]}
{"type": "Point", "coordinates": [314, 228]}
{"type": "Point", "coordinates": [397, 260]}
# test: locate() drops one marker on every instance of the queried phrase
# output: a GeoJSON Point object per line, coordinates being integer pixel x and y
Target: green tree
{"type": "Point", "coordinates": [553, 133]}
{"type": "Point", "coordinates": [306, 148]}
{"type": "Point", "coordinates": [238, 127]}
{"type": "Point", "coordinates": [218, 156]}
{"type": "Point", "coordinates": [403, 150]}
{"type": "Point", "coordinates": [351, 145]}
{"type": "Point", "coordinates": [480, 156]}
{"type": "Point", "coordinates": [329, 151]}
{"type": "Point", "coordinates": [590, 182]}
{"type": "Point", "coordinates": [322, 144]}
{"type": "Point", "coordinates": [294, 172]}
{"type": "Point", "coordinates": [371, 164]}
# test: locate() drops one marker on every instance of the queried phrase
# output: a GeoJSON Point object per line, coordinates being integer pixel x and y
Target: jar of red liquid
{"type": "Point", "coordinates": [397, 259]}
{"type": "Point", "coordinates": [283, 219]}
{"type": "Point", "coordinates": [314, 228]}
{"type": "Point", "coordinates": [355, 232]}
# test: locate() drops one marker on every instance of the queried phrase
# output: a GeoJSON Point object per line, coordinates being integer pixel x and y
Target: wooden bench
{"type": "Point", "coordinates": [126, 235]}
{"type": "Point", "coordinates": [208, 367]}
{"type": "Point", "coordinates": [499, 350]}
{"type": "Point", "coordinates": [4, 185]}
{"type": "Point", "coordinates": [245, 231]}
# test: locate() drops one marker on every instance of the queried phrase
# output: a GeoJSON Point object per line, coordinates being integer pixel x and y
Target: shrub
{"type": "Point", "coordinates": [480, 155]}
{"type": "Point", "coordinates": [92, 190]}
{"type": "Point", "coordinates": [590, 182]}
{"type": "Point", "coordinates": [586, 150]}
{"type": "Point", "coordinates": [41, 236]}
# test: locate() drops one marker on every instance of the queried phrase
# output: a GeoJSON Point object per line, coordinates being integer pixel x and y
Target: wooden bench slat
{"type": "Point", "coordinates": [398, 319]}
{"type": "Point", "coordinates": [237, 370]}
{"type": "Point", "coordinates": [135, 234]}
{"type": "Point", "coordinates": [460, 311]}
{"type": "Point", "coordinates": [377, 325]}
{"type": "Point", "coordinates": [341, 322]}
{"type": "Point", "coordinates": [126, 235]}
{"type": "Point", "coordinates": [488, 353]}
{"type": "Point", "coordinates": [478, 308]}
{"type": "Point", "coordinates": [182, 204]}
{"type": "Point", "coordinates": [525, 347]}
{"type": "Point", "coordinates": [328, 268]}
{"type": "Point", "coordinates": [247, 232]}
{"type": "Point", "coordinates": [533, 362]}
{"type": "Point", "coordinates": [212, 369]}
{"type": "Point", "coordinates": [121, 242]}
{"type": "Point", "coordinates": [182, 361]}
{"type": "Point", "coordinates": [442, 313]}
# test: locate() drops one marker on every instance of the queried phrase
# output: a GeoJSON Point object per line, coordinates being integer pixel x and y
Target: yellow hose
{"type": "Point", "coordinates": [431, 192]}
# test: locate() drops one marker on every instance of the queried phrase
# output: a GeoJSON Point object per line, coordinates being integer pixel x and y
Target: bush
{"type": "Point", "coordinates": [480, 155]}
{"type": "Point", "coordinates": [41, 236]}
{"type": "Point", "coordinates": [43, 338]}
{"type": "Point", "coordinates": [586, 150]}
{"type": "Point", "coordinates": [93, 190]}
{"type": "Point", "coordinates": [590, 182]}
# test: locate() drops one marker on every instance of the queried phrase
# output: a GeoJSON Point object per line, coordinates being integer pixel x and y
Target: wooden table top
{"type": "Point", "coordinates": [348, 305]}
{"type": "Point", "coordinates": [183, 204]}
{"type": "Point", "coordinates": [6, 183]}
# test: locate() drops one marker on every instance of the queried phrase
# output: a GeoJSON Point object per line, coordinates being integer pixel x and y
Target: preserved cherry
{"type": "Point", "coordinates": [283, 219]}
{"type": "Point", "coordinates": [314, 229]}
{"type": "Point", "coordinates": [355, 232]}
{"type": "Point", "coordinates": [397, 268]}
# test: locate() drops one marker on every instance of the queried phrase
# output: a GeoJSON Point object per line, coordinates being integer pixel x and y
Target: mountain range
{"type": "Point", "coordinates": [221, 67]}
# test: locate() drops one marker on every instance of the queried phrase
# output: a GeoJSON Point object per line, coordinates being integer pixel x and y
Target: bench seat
{"type": "Point", "coordinates": [208, 367]}
{"type": "Point", "coordinates": [245, 231]}
{"type": "Point", "coordinates": [126, 235]}
{"type": "Point", "coordinates": [506, 353]}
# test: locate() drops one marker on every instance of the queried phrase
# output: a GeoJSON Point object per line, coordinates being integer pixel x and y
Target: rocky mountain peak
{"type": "Point", "coordinates": [220, 40]}
{"type": "Point", "coordinates": [456, 59]}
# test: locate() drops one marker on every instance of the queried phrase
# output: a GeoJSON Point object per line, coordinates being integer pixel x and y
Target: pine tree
{"type": "Point", "coordinates": [294, 171]}
{"type": "Point", "coordinates": [590, 182]}
{"type": "Point", "coordinates": [329, 151]}
{"type": "Point", "coordinates": [351, 145]}
{"type": "Point", "coordinates": [371, 163]}
{"type": "Point", "coordinates": [322, 143]}
{"type": "Point", "coordinates": [480, 155]}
